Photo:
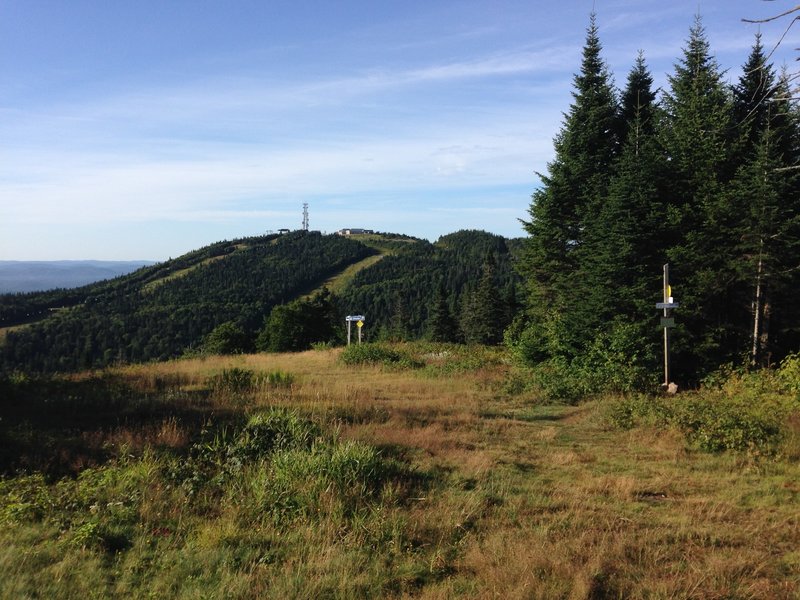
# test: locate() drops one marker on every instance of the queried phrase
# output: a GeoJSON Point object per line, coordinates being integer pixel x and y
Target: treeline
{"type": "Point", "coordinates": [462, 288]}
{"type": "Point", "coordinates": [161, 312]}
{"type": "Point", "coordinates": [703, 176]}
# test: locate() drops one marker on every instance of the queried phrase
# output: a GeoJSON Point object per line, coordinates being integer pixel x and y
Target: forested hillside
{"type": "Point", "coordinates": [703, 176]}
{"type": "Point", "coordinates": [463, 287]}
{"type": "Point", "coordinates": [251, 294]}
{"type": "Point", "coordinates": [161, 311]}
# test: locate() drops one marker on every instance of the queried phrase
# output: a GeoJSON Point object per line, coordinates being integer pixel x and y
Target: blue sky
{"type": "Point", "coordinates": [143, 130]}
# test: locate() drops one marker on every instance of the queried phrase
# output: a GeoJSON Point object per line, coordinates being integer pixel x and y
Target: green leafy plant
{"type": "Point", "coordinates": [377, 354]}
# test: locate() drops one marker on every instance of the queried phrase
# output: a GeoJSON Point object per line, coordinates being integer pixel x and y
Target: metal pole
{"type": "Point", "coordinates": [666, 329]}
{"type": "Point", "coordinates": [348, 332]}
{"type": "Point", "coordinates": [359, 335]}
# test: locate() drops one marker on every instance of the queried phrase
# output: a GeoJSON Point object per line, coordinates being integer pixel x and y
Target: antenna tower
{"type": "Point", "coordinates": [305, 216]}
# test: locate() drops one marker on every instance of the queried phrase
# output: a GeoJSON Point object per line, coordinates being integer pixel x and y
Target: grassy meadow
{"type": "Point", "coordinates": [423, 471]}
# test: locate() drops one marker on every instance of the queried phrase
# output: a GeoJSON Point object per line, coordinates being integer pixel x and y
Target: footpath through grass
{"type": "Point", "coordinates": [300, 476]}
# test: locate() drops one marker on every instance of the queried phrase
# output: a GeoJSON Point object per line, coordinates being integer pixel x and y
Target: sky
{"type": "Point", "coordinates": [141, 130]}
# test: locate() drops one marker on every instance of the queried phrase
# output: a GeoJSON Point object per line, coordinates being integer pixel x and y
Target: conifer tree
{"type": "Point", "coordinates": [571, 192]}
{"type": "Point", "coordinates": [483, 312]}
{"type": "Point", "coordinates": [697, 135]}
{"type": "Point", "coordinates": [442, 327]}
{"type": "Point", "coordinates": [766, 197]}
{"type": "Point", "coordinates": [625, 239]}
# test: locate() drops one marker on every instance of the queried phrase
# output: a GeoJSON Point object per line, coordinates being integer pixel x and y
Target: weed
{"type": "Point", "coordinates": [234, 381]}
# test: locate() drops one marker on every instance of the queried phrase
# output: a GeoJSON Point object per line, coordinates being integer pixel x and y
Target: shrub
{"type": "Point", "coordinates": [227, 338]}
{"type": "Point", "coordinates": [789, 374]}
{"type": "Point", "coordinates": [377, 354]}
{"type": "Point", "coordinates": [712, 421]}
{"type": "Point", "coordinates": [627, 412]}
{"type": "Point", "coordinates": [717, 424]}
{"type": "Point", "coordinates": [335, 479]}
{"type": "Point", "coordinates": [272, 431]}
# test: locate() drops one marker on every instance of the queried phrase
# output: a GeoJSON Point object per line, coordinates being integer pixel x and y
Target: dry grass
{"type": "Point", "coordinates": [521, 501]}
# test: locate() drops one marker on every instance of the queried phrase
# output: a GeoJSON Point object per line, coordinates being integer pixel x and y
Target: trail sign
{"type": "Point", "coordinates": [667, 305]}
{"type": "Point", "coordinates": [667, 322]}
{"type": "Point", "coordinates": [359, 321]}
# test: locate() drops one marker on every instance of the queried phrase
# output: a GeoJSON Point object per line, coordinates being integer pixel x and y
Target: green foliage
{"type": "Point", "coordinates": [704, 179]}
{"type": "Point", "coordinates": [277, 379]}
{"type": "Point", "coordinates": [275, 430]}
{"type": "Point", "coordinates": [377, 354]}
{"type": "Point", "coordinates": [727, 424]}
{"type": "Point", "coordinates": [234, 381]}
{"type": "Point", "coordinates": [789, 374]}
{"type": "Point", "coordinates": [442, 326]}
{"type": "Point", "coordinates": [742, 412]}
{"type": "Point", "coordinates": [483, 314]}
{"type": "Point", "coordinates": [409, 294]}
{"type": "Point", "coordinates": [298, 325]}
{"type": "Point", "coordinates": [159, 312]}
{"type": "Point", "coordinates": [342, 478]}
{"type": "Point", "coordinates": [247, 498]}
{"type": "Point", "coordinates": [613, 362]}
{"type": "Point", "coordinates": [227, 338]}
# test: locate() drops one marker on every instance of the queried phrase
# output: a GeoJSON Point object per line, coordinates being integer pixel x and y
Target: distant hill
{"type": "Point", "coordinates": [164, 310]}
{"type": "Point", "coordinates": [35, 276]}
{"type": "Point", "coordinates": [397, 294]}
{"type": "Point", "coordinates": [159, 312]}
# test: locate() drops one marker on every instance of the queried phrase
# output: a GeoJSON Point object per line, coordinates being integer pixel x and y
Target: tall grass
{"type": "Point", "coordinates": [348, 482]}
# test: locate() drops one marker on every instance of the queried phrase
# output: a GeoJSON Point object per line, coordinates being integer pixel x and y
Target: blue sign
{"type": "Point", "coordinates": [667, 305]}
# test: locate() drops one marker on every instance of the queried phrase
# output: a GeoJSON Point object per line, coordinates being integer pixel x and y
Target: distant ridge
{"type": "Point", "coordinates": [22, 276]}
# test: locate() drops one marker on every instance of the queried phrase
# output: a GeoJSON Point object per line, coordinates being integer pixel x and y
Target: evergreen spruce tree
{"type": "Point", "coordinates": [766, 196]}
{"type": "Point", "coordinates": [570, 196]}
{"type": "Point", "coordinates": [442, 327]}
{"type": "Point", "coordinates": [697, 135]}
{"type": "Point", "coordinates": [637, 105]}
{"type": "Point", "coordinates": [752, 97]}
{"type": "Point", "coordinates": [623, 265]}
{"type": "Point", "coordinates": [483, 313]}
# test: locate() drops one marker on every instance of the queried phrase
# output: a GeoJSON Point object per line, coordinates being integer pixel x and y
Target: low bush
{"type": "Point", "coordinates": [337, 479]}
{"type": "Point", "coordinates": [711, 420]}
{"type": "Point", "coordinates": [272, 431]}
{"type": "Point", "coordinates": [789, 374]}
{"type": "Point", "coordinates": [377, 354]}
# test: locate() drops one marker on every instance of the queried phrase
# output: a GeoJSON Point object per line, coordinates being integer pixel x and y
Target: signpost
{"type": "Point", "coordinates": [359, 321]}
{"type": "Point", "coordinates": [667, 322]}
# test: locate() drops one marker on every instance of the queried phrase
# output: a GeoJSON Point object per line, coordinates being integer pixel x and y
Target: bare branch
{"type": "Point", "coordinates": [775, 18]}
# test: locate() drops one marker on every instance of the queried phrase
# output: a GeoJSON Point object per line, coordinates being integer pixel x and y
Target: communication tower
{"type": "Point", "coordinates": [305, 216]}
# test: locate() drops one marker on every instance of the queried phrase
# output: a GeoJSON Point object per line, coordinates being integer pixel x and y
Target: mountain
{"type": "Point", "coordinates": [34, 276]}
{"type": "Point", "coordinates": [397, 294]}
{"type": "Point", "coordinates": [167, 309]}
{"type": "Point", "coordinates": [159, 312]}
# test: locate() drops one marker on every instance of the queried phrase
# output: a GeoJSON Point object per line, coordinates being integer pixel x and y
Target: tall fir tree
{"type": "Point", "coordinates": [765, 195]}
{"type": "Point", "coordinates": [483, 314]}
{"type": "Point", "coordinates": [625, 239]}
{"type": "Point", "coordinates": [571, 195]}
{"type": "Point", "coordinates": [697, 135]}
{"type": "Point", "coordinates": [442, 326]}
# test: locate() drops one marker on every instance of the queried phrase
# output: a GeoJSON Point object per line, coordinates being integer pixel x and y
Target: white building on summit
{"type": "Point", "coordinates": [354, 231]}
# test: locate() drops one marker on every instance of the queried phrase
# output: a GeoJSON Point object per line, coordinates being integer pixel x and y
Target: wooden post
{"type": "Point", "coordinates": [666, 329]}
